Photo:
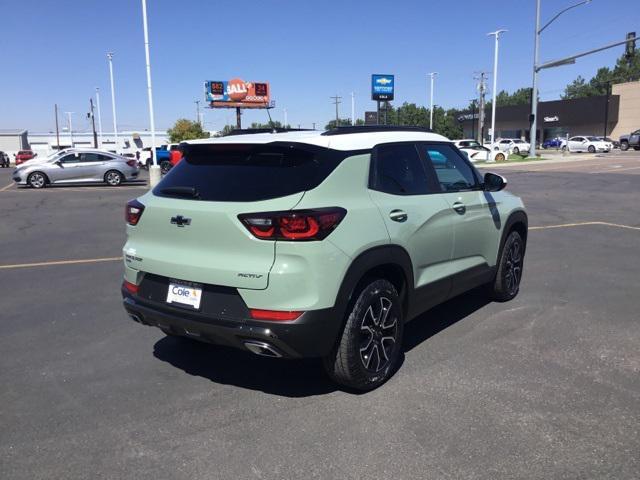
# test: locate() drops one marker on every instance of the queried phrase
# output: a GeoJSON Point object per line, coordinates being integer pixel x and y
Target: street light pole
{"type": "Point", "coordinates": [113, 100]}
{"type": "Point", "coordinates": [353, 108]}
{"type": "Point", "coordinates": [99, 117]}
{"type": "Point", "coordinates": [70, 127]}
{"type": "Point", "coordinates": [432, 75]}
{"type": "Point", "coordinates": [496, 34]}
{"type": "Point", "coordinates": [154, 170]}
{"type": "Point", "coordinates": [534, 89]}
{"type": "Point", "coordinates": [536, 68]}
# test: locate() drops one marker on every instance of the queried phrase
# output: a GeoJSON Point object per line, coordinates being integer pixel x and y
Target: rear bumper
{"type": "Point", "coordinates": [313, 334]}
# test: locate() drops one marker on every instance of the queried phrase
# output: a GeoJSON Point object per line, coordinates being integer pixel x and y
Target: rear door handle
{"type": "Point", "coordinates": [460, 207]}
{"type": "Point", "coordinates": [398, 215]}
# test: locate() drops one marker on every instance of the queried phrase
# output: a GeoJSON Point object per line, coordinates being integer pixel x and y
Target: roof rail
{"type": "Point", "coordinates": [376, 128]}
{"type": "Point", "coordinates": [251, 131]}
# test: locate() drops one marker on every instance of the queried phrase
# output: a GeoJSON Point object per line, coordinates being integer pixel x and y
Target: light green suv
{"type": "Point", "coordinates": [309, 244]}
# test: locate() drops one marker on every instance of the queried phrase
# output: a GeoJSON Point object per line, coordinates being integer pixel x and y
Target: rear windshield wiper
{"type": "Point", "coordinates": [188, 192]}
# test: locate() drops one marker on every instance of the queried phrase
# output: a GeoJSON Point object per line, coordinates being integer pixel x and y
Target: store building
{"type": "Point", "coordinates": [610, 116]}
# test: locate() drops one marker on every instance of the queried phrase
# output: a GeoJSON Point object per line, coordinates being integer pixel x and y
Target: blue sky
{"type": "Point", "coordinates": [55, 52]}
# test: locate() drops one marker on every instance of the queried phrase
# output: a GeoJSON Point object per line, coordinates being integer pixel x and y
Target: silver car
{"type": "Point", "coordinates": [77, 166]}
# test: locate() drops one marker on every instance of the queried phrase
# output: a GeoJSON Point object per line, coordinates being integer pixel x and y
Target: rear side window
{"type": "Point", "coordinates": [398, 170]}
{"type": "Point", "coordinates": [453, 172]}
{"type": "Point", "coordinates": [248, 172]}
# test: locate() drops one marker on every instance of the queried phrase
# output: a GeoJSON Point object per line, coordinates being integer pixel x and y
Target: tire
{"type": "Point", "coordinates": [507, 282]}
{"type": "Point", "coordinates": [636, 147]}
{"type": "Point", "coordinates": [372, 332]}
{"type": "Point", "coordinates": [564, 148]}
{"type": "Point", "coordinates": [113, 178]}
{"type": "Point", "coordinates": [591, 149]}
{"type": "Point", "coordinates": [165, 166]}
{"type": "Point", "coordinates": [516, 150]}
{"type": "Point", "coordinates": [624, 146]}
{"type": "Point", "coordinates": [500, 157]}
{"type": "Point", "coordinates": [37, 180]}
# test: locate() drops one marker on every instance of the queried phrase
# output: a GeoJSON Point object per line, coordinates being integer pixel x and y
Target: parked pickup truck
{"type": "Point", "coordinates": [631, 140]}
{"type": "Point", "coordinates": [166, 155]}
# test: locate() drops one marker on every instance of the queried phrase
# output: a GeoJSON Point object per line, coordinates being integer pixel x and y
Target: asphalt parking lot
{"type": "Point", "coordinates": [546, 386]}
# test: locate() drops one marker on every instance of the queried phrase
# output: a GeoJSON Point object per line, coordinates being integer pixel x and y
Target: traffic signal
{"type": "Point", "coordinates": [630, 46]}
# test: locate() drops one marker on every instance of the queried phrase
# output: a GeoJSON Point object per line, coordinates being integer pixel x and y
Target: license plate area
{"type": "Point", "coordinates": [184, 294]}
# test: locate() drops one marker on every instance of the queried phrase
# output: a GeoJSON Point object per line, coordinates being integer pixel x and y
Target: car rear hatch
{"type": "Point", "coordinates": [189, 229]}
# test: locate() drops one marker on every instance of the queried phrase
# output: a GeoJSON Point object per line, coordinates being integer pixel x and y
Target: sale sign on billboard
{"type": "Point", "coordinates": [237, 93]}
{"type": "Point", "coordinates": [382, 87]}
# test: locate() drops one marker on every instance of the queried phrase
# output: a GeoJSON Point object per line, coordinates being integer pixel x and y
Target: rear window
{"type": "Point", "coordinates": [247, 173]}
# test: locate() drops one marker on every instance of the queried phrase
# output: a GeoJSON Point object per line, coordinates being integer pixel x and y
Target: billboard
{"type": "Point", "coordinates": [237, 93]}
{"type": "Point", "coordinates": [370, 118]}
{"type": "Point", "coordinates": [382, 87]}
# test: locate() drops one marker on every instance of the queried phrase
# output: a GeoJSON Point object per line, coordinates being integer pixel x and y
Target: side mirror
{"type": "Point", "coordinates": [493, 182]}
{"type": "Point", "coordinates": [58, 162]}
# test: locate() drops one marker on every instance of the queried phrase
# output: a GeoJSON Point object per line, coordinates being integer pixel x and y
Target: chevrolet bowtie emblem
{"type": "Point", "coordinates": [180, 221]}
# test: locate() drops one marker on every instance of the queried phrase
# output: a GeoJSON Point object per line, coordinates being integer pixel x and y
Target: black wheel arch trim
{"type": "Point", "coordinates": [515, 218]}
{"type": "Point", "coordinates": [392, 256]}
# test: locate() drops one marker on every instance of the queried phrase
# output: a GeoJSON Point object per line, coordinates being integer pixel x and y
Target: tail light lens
{"type": "Point", "coordinates": [133, 212]}
{"type": "Point", "coordinates": [295, 225]}
{"type": "Point", "coordinates": [130, 287]}
{"type": "Point", "coordinates": [132, 163]}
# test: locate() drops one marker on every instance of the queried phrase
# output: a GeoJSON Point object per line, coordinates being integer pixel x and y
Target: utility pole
{"type": "Point", "coordinates": [495, 83]}
{"type": "Point", "coordinates": [473, 118]}
{"type": "Point", "coordinates": [285, 118]}
{"type": "Point", "coordinates": [70, 127]}
{"type": "Point", "coordinates": [55, 107]}
{"type": "Point", "coordinates": [606, 109]}
{"type": "Point", "coordinates": [99, 116]}
{"type": "Point", "coordinates": [93, 123]}
{"type": "Point", "coordinates": [197, 102]}
{"type": "Point", "coordinates": [314, 125]}
{"type": "Point", "coordinates": [482, 88]}
{"type": "Point", "coordinates": [353, 108]}
{"type": "Point", "coordinates": [432, 75]}
{"type": "Point", "coordinates": [113, 101]}
{"type": "Point", "coordinates": [336, 101]}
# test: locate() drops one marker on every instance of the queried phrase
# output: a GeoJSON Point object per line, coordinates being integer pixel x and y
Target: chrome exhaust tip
{"type": "Point", "coordinates": [263, 349]}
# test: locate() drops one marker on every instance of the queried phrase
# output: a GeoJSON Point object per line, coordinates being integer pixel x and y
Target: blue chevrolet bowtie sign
{"type": "Point", "coordinates": [382, 87]}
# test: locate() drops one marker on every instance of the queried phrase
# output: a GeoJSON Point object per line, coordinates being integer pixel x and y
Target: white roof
{"type": "Point", "coordinates": [343, 141]}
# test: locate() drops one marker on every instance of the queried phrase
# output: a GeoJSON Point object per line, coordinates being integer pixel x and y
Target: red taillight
{"type": "Point", "coordinates": [133, 212]}
{"type": "Point", "coordinates": [274, 315]}
{"type": "Point", "coordinates": [130, 287]}
{"type": "Point", "coordinates": [293, 225]}
{"type": "Point", "coordinates": [132, 163]}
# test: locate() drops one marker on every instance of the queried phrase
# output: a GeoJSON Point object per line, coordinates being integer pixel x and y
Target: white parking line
{"type": "Point", "coordinates": [616, 169]}
{"type": "Point", "coordinates": [60, 262]}
{"type": "Point", "coordinates": [581, 224]}
{"type": "Point", "coordinates": [7, 187]}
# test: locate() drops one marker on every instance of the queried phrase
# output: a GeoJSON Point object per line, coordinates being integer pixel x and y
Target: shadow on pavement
{"type": "Point", "coordinates": [296, 378]}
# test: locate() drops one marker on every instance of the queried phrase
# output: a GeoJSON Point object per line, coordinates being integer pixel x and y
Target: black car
{"type": "Point", "coordinates": [4, 160]}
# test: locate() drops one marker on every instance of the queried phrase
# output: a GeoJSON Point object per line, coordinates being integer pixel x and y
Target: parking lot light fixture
{"type": "Point", "coordinates": [154, 170]}
{"type": "Point", "coordinates": [113, 100]}
{"type": "Point", "coordinates": [432, 75]}
{"type": "Point", "coordinates": [496, 34]}
{"type": "Point", "coordinates": [99, 116]}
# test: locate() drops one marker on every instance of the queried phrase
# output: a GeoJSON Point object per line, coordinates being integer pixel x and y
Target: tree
{"type": "Point", "coordinates": [185, 129]}
{"type": "Point", "coordinates": [625, 70]}
{"type": "Point", "coordinates": [343, 122]}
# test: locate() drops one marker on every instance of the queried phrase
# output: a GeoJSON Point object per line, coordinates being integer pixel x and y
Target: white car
{"type": "Point", "coordinates": [511, 145]}
{"type": "Point", "coordinates": [479, 153]}
{"type": "Point", "coordinates": [588, 144]}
